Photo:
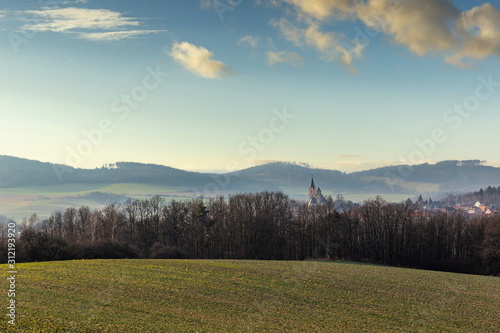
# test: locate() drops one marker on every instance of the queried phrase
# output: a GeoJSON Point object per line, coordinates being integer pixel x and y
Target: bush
{"type": "Point", "coordinates": [100, 250]}
{"type": "Point", "coordinates": [160, 251]}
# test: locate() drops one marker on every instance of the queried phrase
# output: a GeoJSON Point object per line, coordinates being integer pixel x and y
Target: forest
{"type": "Point", "coordinates": [265, 226]}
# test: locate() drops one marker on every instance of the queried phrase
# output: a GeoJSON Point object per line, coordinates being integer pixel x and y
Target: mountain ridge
{"type": "Point", "coordinates": [446, 176]}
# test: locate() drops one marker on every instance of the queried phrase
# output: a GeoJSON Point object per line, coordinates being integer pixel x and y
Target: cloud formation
{"type": "Point", "coordinates": [115, 35]}
{"type": "Point", "coordinates": [206, 4]}
{"type": "Point", "coordinates": [65, 19]}
{"type": "Point", "coordinates": [480, 32]}
{"type": "Point", "coordinates": [249, 41]}
{"type": "Point", "coordinates": [199, 60]}
{"type": "Point", "coordinates": [322, 9]}
{"type": "Point", "coordinates": [425, 27]}
{"type": "Point", "coordinates": [77, 20]}
{"type": "Point", "coordinates": [331, 45]}
{"type": "Point", "coordinates": [278, 57]}
{"type": "Point", "coordinates": [71, 2]}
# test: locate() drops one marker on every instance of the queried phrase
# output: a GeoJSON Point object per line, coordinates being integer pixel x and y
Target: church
{"type": "Point", "coordinates": [315, 196]}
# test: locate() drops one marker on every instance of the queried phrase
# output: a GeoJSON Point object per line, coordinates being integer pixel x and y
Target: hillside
{"type": "Point", "coordinates": [18, 172]}
{"type": "Point", "coordinates": [284, 174]}
{"type": "Point", "coordinates": [447, 175]}
{"type": "Point", "coordinates": [248, 296]}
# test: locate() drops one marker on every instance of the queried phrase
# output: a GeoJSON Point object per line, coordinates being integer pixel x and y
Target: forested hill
{"type": "Point", "coordinates": [16, 172]}
{"type": "Point", "coordinates": [444, 176]}
{"type": "Point", "coordinates": [293, 175]}
{"type": "Point", "coordinates": [452, 175]}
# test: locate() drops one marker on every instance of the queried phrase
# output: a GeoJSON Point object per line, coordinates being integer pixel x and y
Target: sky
{"type": "Point", "coordinates": [221, 85]}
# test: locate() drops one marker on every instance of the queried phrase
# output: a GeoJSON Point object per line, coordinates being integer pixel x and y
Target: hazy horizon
{"type": "Point", "coordinates": [225, 85]}
{"type": "Point", "coordinates": [222, 171]}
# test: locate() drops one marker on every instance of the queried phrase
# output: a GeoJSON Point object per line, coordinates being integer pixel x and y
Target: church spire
{"type": "Point", "coordinates": [312, 183]}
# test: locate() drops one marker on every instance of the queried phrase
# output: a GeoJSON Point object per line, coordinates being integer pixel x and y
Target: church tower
{"type": "Point", "coordinates": [312, 189]}
{"type": "Point", "coordinates": [315, 196]}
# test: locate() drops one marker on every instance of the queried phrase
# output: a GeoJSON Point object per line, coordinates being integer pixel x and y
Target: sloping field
{"type": "Point", "coordinates": [247, 296]}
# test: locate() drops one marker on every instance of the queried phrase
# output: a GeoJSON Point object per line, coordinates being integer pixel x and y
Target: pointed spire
{"type": "Point", "coordinates": [312, 183]}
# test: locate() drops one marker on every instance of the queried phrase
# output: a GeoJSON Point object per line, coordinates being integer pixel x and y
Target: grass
{"type": "Point", "coordinates": [248, 296]}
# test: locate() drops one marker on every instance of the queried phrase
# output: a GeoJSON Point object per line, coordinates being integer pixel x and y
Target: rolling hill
{"type": "Point", "coordinates": [18, 172]}
{"type": "Point", "coordinates": [28, 186]}
{"type": "Point", "coordinates": [441, 177]}
{"type": "Point", "coordinates": [248, 296]}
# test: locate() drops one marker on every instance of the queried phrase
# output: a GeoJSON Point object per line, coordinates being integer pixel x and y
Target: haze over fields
{"type": "Point", "coordinates": [28, 186]}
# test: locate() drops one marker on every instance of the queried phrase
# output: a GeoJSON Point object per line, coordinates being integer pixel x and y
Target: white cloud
{"type": "Point", "coordinates": [249, 41]}
{"type": "Point", "coordinates": [79, 21]}
{"type": "Point", "coordinates": [321, 9]}
{"type": "Point", "coordinates": [115, 35]}
{"type": "Point", "coordinates": [199, 61]}
{"type": "Point", "coordinates": [277, 57]}
{"type": "Point", "coordinates": [71, 2]}
{"type": "Point", "coordinates": [65, 19]}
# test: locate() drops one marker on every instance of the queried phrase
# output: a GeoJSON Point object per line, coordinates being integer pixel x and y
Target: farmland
{"type": "Point", "coordinates": [248, 296]}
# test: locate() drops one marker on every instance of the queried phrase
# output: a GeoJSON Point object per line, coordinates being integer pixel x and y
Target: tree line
{"type": "Point", "coordinates": [490, 195]}
{"type": "Point", "coordinates": [265, 226]}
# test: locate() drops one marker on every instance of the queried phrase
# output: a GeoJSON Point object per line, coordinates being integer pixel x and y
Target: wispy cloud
{"type": "Point", "coordinates": [199, 61]}
{"type": "Point", "coordinates": [115, 35]}
{"type": "Point", "coordinates": [249, 41]}
{"type": "Point", "coordinates": [66, 19]}
{"type": "Point", "coordinates": [79, 21]}
{"type": "Point", "coordinates": [205, 4]}
{"type": "Point", "coordinates": [331, 45]}
{"type": "Point", "coordinates": [425, 27]}
{"type": "Point", "coordinates": [278, 57]}
{"type": "Point", "coordinates": [71, 2]}
{"type": "Point", "coordinates": [322, 9]}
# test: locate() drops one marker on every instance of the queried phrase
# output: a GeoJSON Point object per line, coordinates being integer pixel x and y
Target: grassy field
{"type": "Point", "coordinates": [248, 296]}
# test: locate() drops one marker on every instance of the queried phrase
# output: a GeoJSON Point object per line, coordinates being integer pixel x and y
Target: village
{"type": "Point", "coordinates": [477, 209]}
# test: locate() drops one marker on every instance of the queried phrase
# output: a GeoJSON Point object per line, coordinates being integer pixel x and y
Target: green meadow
{"type": "Point", "coordinates": [247, 296]}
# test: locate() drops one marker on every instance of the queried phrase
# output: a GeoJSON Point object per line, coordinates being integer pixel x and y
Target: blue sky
{"type": "Point", "coordinates": [228, 84]}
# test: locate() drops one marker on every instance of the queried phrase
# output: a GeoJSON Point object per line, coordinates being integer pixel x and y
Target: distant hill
{"type": "Point", "coordinates": [282, 174]}
{"type": "Point", "coordinates": [18, 172]}
{"type": "Point", "coordinates": [442, 177]}
{"type": "Point", "coordinates": [449, 176]}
